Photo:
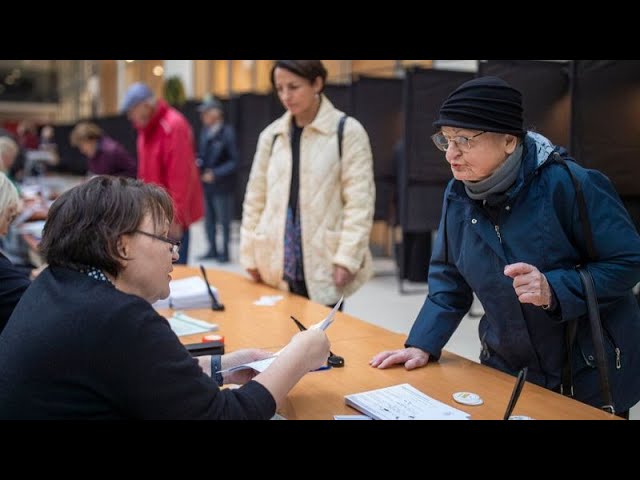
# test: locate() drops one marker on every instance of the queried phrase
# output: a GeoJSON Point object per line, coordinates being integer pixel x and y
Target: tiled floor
{"type": "Point", "coordinates": [378, 301]}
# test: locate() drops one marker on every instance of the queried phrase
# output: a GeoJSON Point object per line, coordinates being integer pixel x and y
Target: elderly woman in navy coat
{"type": "Point", "coordinates": [511, 232]}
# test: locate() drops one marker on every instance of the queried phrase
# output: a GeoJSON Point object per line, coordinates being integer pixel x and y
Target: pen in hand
{"type": "Point", "coordinates": [333, 360]}
{"type": "Point", "coordinates": [517, 389]}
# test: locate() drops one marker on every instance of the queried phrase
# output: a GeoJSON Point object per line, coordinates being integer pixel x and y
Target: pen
{"type": "Point", "coordinates": [517, 389]}
{"type": "Point", "coordinates": [333, 360]}
{"type": "Point", "coordinates": [215, 305]}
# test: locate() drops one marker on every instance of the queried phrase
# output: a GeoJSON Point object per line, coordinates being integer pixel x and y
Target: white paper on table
{"type": "Point", "coordinates": [351, 417]}
{"type": "Point", "coordinates": [402, 402]}
{"type": "Point", "coordinates": [183, 324]}
{"type": "Point", "coordinates": [268, 300]}
{"type": "Point", "coordinates": [190, 292]}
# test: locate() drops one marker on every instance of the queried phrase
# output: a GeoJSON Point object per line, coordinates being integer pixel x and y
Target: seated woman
{"type": "Point", "coordinates": [97, 349]}
{"type": "Point", "coordinates": [105, 155]}
{"type": "Point", "coordinates": [13, 281]}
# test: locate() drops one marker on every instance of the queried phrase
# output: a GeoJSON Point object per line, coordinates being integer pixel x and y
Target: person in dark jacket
{"type": "Point", "coordinates": [105, 156]}
{"type": "Point", "coordinates": [13, 281]}
{"type": "Point", "coordinates": [84, 341]}
{"type": "Point", "coordinates": [511, 232]}
{"type": "Point", "coordinates": [218, 161]}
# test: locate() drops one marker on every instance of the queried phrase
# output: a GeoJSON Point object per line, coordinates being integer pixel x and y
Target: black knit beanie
{"type": "Point", "coordinates": [485, 103]}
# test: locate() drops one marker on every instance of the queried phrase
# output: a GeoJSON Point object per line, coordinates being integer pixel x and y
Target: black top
{"type": "Point", "coordinates": [296, 133]}
{"type": "Point", "coordinates": [13, 283]}
{"type": "Point", "coordinates": [79, 348]}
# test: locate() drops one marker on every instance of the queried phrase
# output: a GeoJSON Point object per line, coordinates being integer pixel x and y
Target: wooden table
{"type": "Point", "coordinates": [320, 395]}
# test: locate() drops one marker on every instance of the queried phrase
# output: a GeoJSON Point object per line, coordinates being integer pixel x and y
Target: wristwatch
{"type": "Point", "coordinates": [216, 366]}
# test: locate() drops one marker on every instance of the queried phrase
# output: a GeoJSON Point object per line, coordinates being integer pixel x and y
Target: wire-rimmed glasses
{"type": "Point", "coordinates": [441, 141]}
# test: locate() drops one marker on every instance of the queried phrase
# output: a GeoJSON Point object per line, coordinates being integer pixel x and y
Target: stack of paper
{"type": "Point", "coordinates": [402, 402]}
{"type": "Point", "coordinates": [190, 292]}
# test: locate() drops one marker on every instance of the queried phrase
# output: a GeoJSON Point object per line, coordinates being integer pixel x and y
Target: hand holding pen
{"type": "Point", "coordinates": [333, 360]}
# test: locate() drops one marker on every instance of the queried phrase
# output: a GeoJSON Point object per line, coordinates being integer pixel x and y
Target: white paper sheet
{"type": "Point", "coordinates": [402, 402]}
{"type": "Point", "coordinates": [183, 324]}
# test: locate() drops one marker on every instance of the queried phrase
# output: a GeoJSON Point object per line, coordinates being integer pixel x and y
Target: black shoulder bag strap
{"type": "Point", "coordinates": [566, 387]}
{"type": "Point", "coordinates": [341, 122]}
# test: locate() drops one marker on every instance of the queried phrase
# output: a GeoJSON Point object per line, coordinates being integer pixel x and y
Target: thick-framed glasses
{"type": "Point", "coordinates": [441, 141]}
{"type": "Point", "coordinates": [175, 244]}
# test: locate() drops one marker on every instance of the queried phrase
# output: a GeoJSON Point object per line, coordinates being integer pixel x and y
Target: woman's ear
{"type": "Point", "coordinates": [317, 85]}
{"type": "Point", "coordinates": [510, 143]}
{"type": "Point", "coordinates": [123, 246]}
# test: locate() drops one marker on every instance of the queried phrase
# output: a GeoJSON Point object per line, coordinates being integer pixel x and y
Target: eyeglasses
{"type": "Point", "coordinates": [463, 143]}
{"type": "Point", "coordinates": [175, 244]}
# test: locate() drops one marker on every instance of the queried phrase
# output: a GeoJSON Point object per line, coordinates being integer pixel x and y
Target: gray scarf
{"type": "Point", "coordinates": [499, 181]}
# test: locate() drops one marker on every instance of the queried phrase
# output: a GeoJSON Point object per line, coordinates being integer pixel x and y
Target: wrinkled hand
{"type": "Point", "coordinates": [247, 355]}
{"type": "Point", "coordinates": [255, 274]}
{"type": "Point", "coordinates": [341, 276]}
{"type": "Point", "coordinates": [207, 176]}
{"type": "Point", "coordinates": [411, 357]}
{"type": "Point", "coordinates": [530, 284]}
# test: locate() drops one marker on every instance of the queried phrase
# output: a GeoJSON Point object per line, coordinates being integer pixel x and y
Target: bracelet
{"type": "Point", "coordinates": [216, 366]}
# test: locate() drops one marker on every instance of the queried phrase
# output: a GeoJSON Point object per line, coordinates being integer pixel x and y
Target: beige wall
{"type": "Point", "coordinates": [109, 87]}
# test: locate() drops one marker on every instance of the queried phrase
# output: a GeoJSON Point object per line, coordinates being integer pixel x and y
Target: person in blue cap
{"type": "Point", "coordinates": [511, 233]}
{"type": "Point", "coordinates": [166, 156]}
{"type": "Point", "coordinates": [218, 162]}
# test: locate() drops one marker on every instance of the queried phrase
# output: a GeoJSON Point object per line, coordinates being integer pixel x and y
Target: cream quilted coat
{"type": "Point", "coordinates": [336, 201]}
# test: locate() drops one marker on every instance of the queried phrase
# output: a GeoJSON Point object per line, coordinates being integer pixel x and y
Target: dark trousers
{"type": "Point", "coordinates": [184, 248]}
{"type": "Point", "coordinates": [218, 210]}
{"type": "Point", "coordinates": [300, 288]}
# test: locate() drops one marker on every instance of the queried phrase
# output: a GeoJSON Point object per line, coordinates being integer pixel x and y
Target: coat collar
{"type": "Point", "coordinates": [160, 110]}
{"type": "Point", "coordinates": [324, 122]}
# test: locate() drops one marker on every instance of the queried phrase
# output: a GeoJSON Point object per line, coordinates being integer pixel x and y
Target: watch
{"type": "Point", "coordinates": [216, 366]}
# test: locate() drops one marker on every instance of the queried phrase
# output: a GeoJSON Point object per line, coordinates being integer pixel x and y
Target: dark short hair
{"type": "Point", "coordinates": [309, 69]}
{"type": "Point", "coordinates": [85, 223]}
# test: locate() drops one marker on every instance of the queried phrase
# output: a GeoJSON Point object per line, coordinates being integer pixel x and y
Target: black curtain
{"type": "Point", "coordinates": [249, 113]}
{"type": "Point", "coordinates": [377, 105]}
{"type": "Point", "coordinates": [605, 121]}
{"type": "Point", "coordinates": [545, 90]}
{"type": "Point", "coordinates": [423, 173]}
{"type": "Point", "coordinates": [341, 96]}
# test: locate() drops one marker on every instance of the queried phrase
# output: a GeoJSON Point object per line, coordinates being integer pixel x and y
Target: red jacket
{"type": "Point", "coordinates": [166, 156]}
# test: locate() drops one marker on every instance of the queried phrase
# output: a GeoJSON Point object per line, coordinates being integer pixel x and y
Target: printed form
{"type": "Point", "coordinates": [402, 402]}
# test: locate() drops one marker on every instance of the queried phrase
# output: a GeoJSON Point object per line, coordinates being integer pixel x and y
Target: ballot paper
{"type": "Point", "coordinates": [262, 365]}
{"type": "Point", "coordinates": [190, 292]}
{"type": "Point", "coordinates": [268, 300]}
{"type": "Point", "coordinates": [402, 402]}
{"type": "Point", "coordinates": [183, 324]}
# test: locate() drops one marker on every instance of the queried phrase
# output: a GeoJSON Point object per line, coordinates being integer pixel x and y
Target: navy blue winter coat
{"type": "Point", "coordinates": [539, 224]}
{"type": "Point", "coordinates": [219, 153]}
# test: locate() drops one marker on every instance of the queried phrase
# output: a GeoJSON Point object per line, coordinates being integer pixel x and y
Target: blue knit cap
{"type": "Point", "coordinates": [138, 92]}
{"type": "Point", "coordinates": [484, 103]}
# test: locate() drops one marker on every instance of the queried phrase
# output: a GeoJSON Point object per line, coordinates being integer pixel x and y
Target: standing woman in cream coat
{"type": "Point", "coordinates": [308, 211]}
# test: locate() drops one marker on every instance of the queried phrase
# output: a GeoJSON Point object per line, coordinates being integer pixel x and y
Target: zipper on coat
{"type": "Point", "coordinates": [497, 228]}
{"type": "Point", "coordinates": [615, 347]}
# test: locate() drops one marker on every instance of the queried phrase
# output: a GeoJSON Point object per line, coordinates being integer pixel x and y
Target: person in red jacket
{"type": "Point", "coordinates": [166, 157]}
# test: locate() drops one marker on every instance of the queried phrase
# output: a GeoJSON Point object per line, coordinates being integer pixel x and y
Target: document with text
{"type": "Point", "coordinates": [402, 402]}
